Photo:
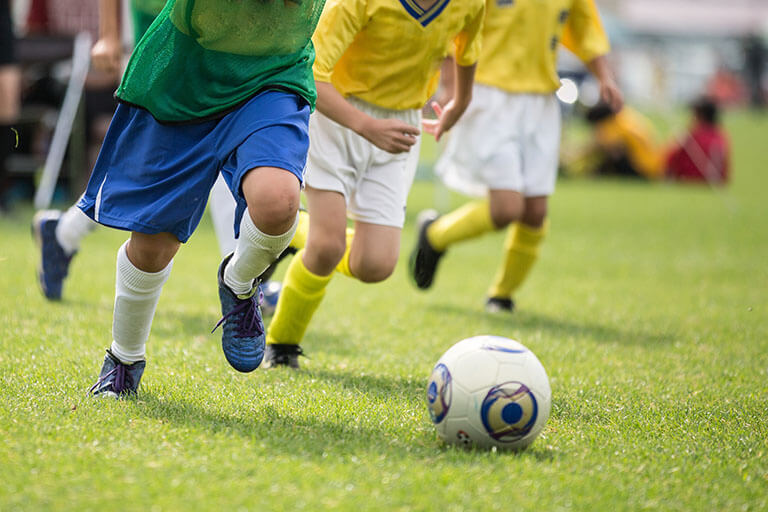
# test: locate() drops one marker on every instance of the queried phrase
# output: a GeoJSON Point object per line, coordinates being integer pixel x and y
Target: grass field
{"type": "Point", "coordinates": [648, 308]}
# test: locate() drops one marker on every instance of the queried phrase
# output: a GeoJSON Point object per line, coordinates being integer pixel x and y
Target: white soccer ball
{"type": "Point", "coordinates": [489, 391]}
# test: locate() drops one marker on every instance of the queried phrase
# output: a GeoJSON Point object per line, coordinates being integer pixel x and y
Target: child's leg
{"type": "Point", "coordinates": [73, 226]}
{"type": "Point", "coordinates": [267, 226]}
{"type": "Point", "coordinates": [373, 253]}
{"type": "Point", "coordinates": [58, 237]}
{"type": "Point", "coordinates": [310, 271]}
{"type": "Point", "coordinates": [221, 205]}
{"type": "Point", "coordinates": [475, 219]}
{"type": "Point", "coordinates": [299, 241]}
{"type": "Point", "coordinates": [143, 266]}
{"type": "Point", "coordinates": [521, 249]}
{"type": "Point", "coordinates": [438, 233]}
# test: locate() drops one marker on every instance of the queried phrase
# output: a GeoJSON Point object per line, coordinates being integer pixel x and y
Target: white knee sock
{"type": "Point", "coordinates": [136, 296]}
{"type": "Point", "coordinates": [72, 228]}
{"type": "Point", "coordinates": [254, 252]}
{"type": "Point", "coordinates": [222, 205]}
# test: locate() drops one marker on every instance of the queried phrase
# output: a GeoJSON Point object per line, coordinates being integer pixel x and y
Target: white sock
{"type": "Point", "coordinates": [222, 205]}
{"type": "Point", "coordinates": [72, 228]}
{"type": "Point", "coordinates": [254, 252]}
{"type": "Point", "coordinates": [136, 296]}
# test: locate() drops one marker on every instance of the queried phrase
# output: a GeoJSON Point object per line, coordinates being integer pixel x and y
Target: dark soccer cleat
{"type": "Point", "coordinates": [424, 258]}
{"type": "Point", "coordinates": [279, 354]}
{"type": "Point", "coordinates": [264, 277]}
{"type": "Point", "coordinates": [117, 379]}
{"type": "Point", "coordinates": [54, 261]}
{"type": "Point", "coordinates": [499, 305]}
{"type": "Point", "coordinates": [242, 337]}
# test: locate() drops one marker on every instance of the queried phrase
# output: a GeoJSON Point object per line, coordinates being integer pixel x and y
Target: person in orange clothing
{"type": "Point", "coordinates": [624, 144]}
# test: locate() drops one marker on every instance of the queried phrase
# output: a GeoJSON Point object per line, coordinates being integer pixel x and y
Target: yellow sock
{"type": "Point", "coordinates": [471, 220]}
{"type": "Point", "coordinates": [301, 295]}
{"type": "Point", "coordinates": [521, 250]}
{"type": "Point", "coordinates": [299, 240]}
{"type": "Point", "coordinates": [343, 266]}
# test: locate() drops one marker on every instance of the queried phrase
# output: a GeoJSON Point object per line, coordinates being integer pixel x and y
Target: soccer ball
{"type": "Point", "coordinates": [489, 391]}
{"type": "Point", "coordinates": [270, 293]}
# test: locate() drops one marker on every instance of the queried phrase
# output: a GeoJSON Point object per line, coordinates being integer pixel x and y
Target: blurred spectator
{"type": "Point", "coordinates": [703, 154]}
{"type": "Point", "coordinates": [622, 144]}
{"type": "Point", "coordinates": [727, 88]}
{"type": "Point", "coordinates": [754, 67]}
{"type": "Point", "coordinates": [69, 17]}
{"type": "Point", "coordinates": [10, 86]}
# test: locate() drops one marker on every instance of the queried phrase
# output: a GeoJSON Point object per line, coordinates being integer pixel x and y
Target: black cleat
{"type": "Point", "coordinates": [499, 305]}
{"type": "Point", "coordinates": [264, 277]}
{"type": "Point", "coordinates": [117, 379]}
{"type": "Point", "coordinates": [279, 354]}
{"type": "Point", "coordinates": [424, 258]}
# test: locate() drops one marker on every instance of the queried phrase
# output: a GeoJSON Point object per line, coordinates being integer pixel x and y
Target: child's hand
{"type": "Point", "coordinates": [107, 55]}
{"type": "Point", "coordinates": [391, 135]}
{"type": "Point", "coordinates": [446, 118]}
{"type": "Point", "coordinates": [611, 94]}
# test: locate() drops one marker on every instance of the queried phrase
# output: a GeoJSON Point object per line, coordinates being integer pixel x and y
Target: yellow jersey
{"type": "Point", "coordinates": [521, 37]}
{"type": "Point", "coordinates": [633, 132]}
{"type": "Point", "coordinates": [389, 52]}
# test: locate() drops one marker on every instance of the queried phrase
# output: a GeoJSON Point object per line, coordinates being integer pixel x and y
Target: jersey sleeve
{"type": "Point", "coordinates": [584, 34]}
{"type": "Point", "coordinates": [467, 43]}
{"type": "Point", "coordinates": [340, 22]}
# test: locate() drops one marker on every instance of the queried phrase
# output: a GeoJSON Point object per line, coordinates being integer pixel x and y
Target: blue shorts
{"type": "Point", "coordinates": [155, 178]}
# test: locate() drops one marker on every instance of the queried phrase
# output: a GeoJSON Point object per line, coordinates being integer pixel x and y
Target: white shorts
{"type": "Point", "coordinates": [374, 183]}
{"type": "Point", "coordinates": [503, 141]}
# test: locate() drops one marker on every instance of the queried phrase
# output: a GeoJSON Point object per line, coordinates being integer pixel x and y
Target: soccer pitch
{"type": "Point", "coordinates": [648, 308]}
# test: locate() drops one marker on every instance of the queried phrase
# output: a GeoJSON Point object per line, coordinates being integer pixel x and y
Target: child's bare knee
{"type": "Point", "coordinates": [374, 270]}
{"type": "Point", "coordinates": [506, 213]}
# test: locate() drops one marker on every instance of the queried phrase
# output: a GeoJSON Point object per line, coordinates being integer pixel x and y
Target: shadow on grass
{"type": "Point", "coordinates": [307, 436]}
{"type": "Point", "coordinates": [557, 327]}
{"type": "Point", "coordinates": [310, 436]}
{"type": "Point", "coordinates": [374, 385]}
{"type": "Point", "coordinates": [181, 324]}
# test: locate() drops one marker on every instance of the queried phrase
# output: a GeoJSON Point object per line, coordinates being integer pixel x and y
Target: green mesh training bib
{"type": "Point", "coordinates": [143, 13]}
{"type": "Point", "coordinates": [148, 6]}
{"type": "Point", "coordinates": [202, 58]}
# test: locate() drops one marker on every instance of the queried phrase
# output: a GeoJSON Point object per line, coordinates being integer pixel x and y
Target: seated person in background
{"type": "Point", "coordinates": [68, 18]}
{"type": "Point", "coordinates": [624, 144]}
{"type": "Point", "coordinates": [703, 154]}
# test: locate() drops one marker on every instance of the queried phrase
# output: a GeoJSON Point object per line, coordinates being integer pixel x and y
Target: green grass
{"type": "Point", "coordinates": [648, 308]}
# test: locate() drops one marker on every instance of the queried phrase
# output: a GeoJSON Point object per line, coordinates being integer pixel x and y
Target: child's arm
{"type": "Point", "coordinates": [446, 88]}
{"type": "Point", "coordinates": [585, 36]}
{"type": "Point", "coordinates": [609, 91]}
{"type": "Point", "coordinates": [464, 76]}
{"type": "Point", "coordinates": [107, 53]}
{"type": "Point", "coordinates": [466, 51]}
{"type": "Point", "coordinates": [392, 135]}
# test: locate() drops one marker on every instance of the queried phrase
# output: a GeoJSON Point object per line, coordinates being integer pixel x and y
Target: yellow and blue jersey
{"type": "Point", "coordinates": [389, 52]}
{"type": "Point", "coordinates": [521, 37]}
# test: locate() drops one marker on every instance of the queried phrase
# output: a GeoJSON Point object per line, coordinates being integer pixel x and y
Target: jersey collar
{"type": "Point", "coordinates": [424, 17]}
